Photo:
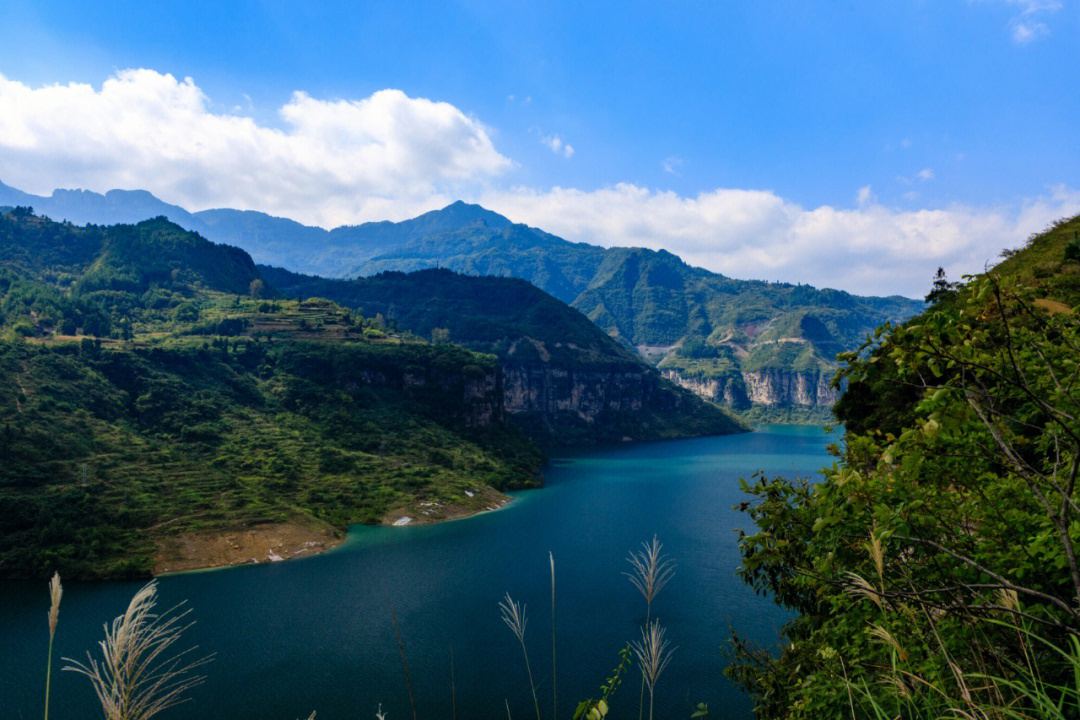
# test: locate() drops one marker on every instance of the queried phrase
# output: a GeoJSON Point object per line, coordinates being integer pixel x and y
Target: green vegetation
{"type": "Point", "coordinates": [648, 300]}
{"type": "Point", "coordinates": [567, 382]}
{"type": "Point", "coordinates": [484, 313]}
{"type": "Point", "coordinates": [204, 410]}
{"type": "Point", "coordinates": [933, 570]}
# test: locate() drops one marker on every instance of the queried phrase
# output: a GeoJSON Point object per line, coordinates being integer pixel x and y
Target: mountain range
{"type": "Point", "coordinates": [758, 347]}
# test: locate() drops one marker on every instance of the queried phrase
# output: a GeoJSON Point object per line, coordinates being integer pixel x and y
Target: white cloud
{"type": "Point", "coordinates": [1025, 32]}
{"type": "Point", "coordinates": [389, 156]}
{"type": "Point", "coordinates": [334, 161]}
{"type": "Point", "coordinates": [1033, 6]}
{"type": "Point", "coordinates": [1027, 26]}
{"type": "Point", "coordinates": [864, 196]}
{"type": "Point", "coordinates": [672, 164]}
{"type": "Point", "coordinates": [871, 249]}
{"type": "Point", "coordinates": [557, 145]}
{"type": "Point", "coordinates": [925, 174]}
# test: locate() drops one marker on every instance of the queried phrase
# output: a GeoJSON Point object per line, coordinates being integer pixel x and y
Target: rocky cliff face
{"type": "Point", "coordinates": [784, 387]}
{"type": "Point", "coordinates": [763, 387]}
{"type": "Point", "coordinates": [587, 394]}
{"type": "Point", "coordinates": [567, 405]}
{"type": "Point", "coordinates": [483, 401]}
{"type": "Point", "coordinates": [728, 391]}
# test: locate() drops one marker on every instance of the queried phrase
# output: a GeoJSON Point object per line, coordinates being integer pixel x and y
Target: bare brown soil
{"type": "Point", "coordinates": [257, 544]}
{"type": "Point", "coordinates": [300, 538]}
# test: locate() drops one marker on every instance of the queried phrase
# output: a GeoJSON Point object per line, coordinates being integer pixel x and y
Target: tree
{"type": "Point", "coordinates": [257, 288]}
{"type": "Point", "coordinates": [1072, 250]}
{"type": "Point", "coordinates": [941, 288]}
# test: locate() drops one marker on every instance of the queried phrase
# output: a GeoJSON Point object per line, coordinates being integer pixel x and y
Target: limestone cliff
{"type": "Point", "coordinates": [769, 387]}
{"type": "Point", "coordinates": [785, 387]}
{"type": "Point", "coordinates": [583, 405]}
{"type": "Point", "coordinates": [729, 391]}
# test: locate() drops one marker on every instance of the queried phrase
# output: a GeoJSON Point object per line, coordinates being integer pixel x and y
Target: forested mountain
{"type": "Point", "coordinates": [933, 571]}
{"type": "Point", "coordinates": [563, 377]}
{"type": "Point", "coordinates": [155, 393]}
{"type": "Point", "coordinates": [744, 343]}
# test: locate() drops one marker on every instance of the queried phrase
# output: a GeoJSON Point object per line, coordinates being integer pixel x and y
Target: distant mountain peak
{"type": "Point", "coordinates": [462, 212]}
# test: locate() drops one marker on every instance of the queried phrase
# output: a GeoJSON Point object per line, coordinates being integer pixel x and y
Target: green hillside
{"type": "Point", "coordinates": [584, 386]}
{"type": "Point", "coordinates": [932, 572]}
{"type": "Point", "coordinates": [142, 401]}
{"type": "Point", "coordinates": [650, 300]}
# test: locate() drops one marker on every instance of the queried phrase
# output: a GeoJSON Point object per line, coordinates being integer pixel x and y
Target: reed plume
{"type": "Point", "coordinates": [56, 591]}
{"type": "Point", "coordinates": [138, 676]}
{"type": "Point", "coordinates": [554, 685]}
{"type": "Point", "coordinates": [513, 614]}
{"type": "Point", "coordinates": [889, 639]}
{"type": "Point", "coordinates": [650, 571]}
{"type": "Point", "coordinates": [653, 655]}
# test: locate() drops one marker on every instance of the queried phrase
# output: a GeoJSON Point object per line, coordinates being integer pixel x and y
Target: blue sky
{"type": "Point", "coordinates": [851, 119]}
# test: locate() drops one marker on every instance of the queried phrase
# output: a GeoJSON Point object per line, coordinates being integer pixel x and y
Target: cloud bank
{"type": "Point", "coordinates": [384, 154]}
{"type": "Point", "coordinates": [870, 249]}
{"type": "Point", "coordinates": [391, 156]}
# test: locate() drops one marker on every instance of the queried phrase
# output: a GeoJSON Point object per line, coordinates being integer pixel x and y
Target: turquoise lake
{"type": "Point", "coordinates": [316, 634]}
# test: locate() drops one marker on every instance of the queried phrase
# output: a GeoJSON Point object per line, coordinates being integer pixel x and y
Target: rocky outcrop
{"type": "Point", "coordinates": [586, 404]}
{"type": "Point", "coordinates": [773, 387]}
{"type": "Point", "coordinates": [587, 394]}
{"type": "Point", "coordinates": [483, 401]}
{"type": "Point", "coordinates": [729, 391]}
{"type": "Point", "coordinates": [785, 387]}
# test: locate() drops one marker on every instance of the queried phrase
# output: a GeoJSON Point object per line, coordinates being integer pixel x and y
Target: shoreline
{"type": "Point", "coordinates": [305, 536]}
{"type": "Point", "coordinates": [302, 537]}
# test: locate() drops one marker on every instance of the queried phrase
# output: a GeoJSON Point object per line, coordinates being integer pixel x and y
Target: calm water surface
{"type": "Point", "coordinates": [316, 634]}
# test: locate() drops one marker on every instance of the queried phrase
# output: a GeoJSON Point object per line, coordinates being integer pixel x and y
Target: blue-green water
{"type": "Point", "coordinates": [316, 634]}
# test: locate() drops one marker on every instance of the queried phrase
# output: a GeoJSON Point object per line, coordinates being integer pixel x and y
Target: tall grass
{"type": "Point", "coordinates": [650, 571]}
{"type": "Point", "coordinates": [554, 675]}
{"type": "Point", "coordinates": [653, 653]}
{"type": "Point", "coordinates": [1008, 683]}
{"type": "Point", "coordinates": [1022, 694]}
{"type": "Point", "coordinates": [56, 591]}
{"type": "Point", "coordinates": [404, 663]}
{"type": "Point", "coordinates": [140, 674]}
{"type": "Point", "coordinates": [513, 614]}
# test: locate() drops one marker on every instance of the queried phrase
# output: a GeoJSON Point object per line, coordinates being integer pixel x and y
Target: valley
{"type": "Point", "coordinates": [167, 397]}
